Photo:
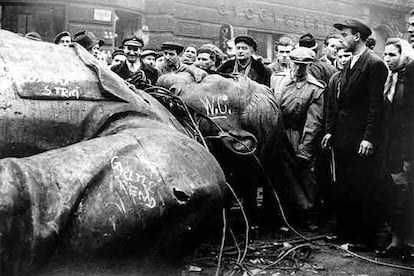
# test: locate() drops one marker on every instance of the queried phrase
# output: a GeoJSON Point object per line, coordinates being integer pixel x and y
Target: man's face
{"type": "Point", "coordinates": [132, 52]}
{"type": "Point", "coordinates": [65, 41]}
{"type": "Point", "coordinates": [342, 58]}
{"type": "Point", "coordinates": [204, 61]}
{"type": "Point", "coordinates": [283, 53]}
{"type": "Point", "coordinates": [392, 57]}
{"type": "Point", "coordinates": [332, 48]}
{"type": "Point", "coordinates": [349, 40]}
{"type": "Point", "coordinates": [118, 59]}
{"type": "Point", "coordinates": [149, 60]}
{"type": "Point", "coordinates": [243, 51]}
{"type": "Point", "coordinates": [411, 28]}
{"type": "Point", "coordinates": [170, 57]}
{"type": "Point", "coordinates": [190, 55]}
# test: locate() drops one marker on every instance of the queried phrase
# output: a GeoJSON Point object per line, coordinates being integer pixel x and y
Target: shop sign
{"type": "Point", "coordinates": [102, 15]}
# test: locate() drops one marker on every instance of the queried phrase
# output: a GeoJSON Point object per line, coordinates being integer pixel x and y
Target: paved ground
{"type": "Point", "coordinates": [263, 250]}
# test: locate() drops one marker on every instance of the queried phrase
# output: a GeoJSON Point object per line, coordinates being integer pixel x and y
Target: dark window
{"type": "Point", "coordinates": [47, 20]}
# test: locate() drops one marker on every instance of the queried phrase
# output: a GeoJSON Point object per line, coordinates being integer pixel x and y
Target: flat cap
{"type": "Point", "coordinates": [356, 25]}
{"type": "Point", "coordinates": [133, 41]}
{"type": "Point", "coordinates": [117, 52]}
{"type": "Point", "coordinates": [60, 35]}
{"type": "Point", "coordinates": [308, 41]}
{"type": "Point", "coordinates": [246, 39]}
{"type": "Point", "coordinates": [149, 52]}
{"type": "Point", "coordinates": [172, 46]}
{"type": "Point", "coordinates": [33, 36]}
{"type": "Point", "coordinates": [302, 55]}
{"type": "Point", "coordinates": [85, 39]}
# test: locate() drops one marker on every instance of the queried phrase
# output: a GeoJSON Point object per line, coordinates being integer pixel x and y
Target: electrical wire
{"type": "Point", "coordinates": [223, 240]}
{"type": "Point", "coordinates": [269, 183]}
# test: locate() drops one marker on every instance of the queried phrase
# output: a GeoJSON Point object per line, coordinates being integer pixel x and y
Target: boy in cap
{"type": "Point", "coordinates": [133, 70]}
{"type": "Point", "coordinates": [117, 57]}
{"type": "Point", "coordinates": [244, 63]}
{"type": "Point", "coordinates": [63, 38]}
{"type": "Point", "coordinates": [353, 129]}
{"type": "Point", "coordinates": [301, 103]}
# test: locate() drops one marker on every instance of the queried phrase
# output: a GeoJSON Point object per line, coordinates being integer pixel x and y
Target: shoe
{"type": "Point", "coordinates": [391, 252]}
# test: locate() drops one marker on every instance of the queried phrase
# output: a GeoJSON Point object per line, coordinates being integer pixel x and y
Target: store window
{"type": "Point", "coordinates": [47, 20]}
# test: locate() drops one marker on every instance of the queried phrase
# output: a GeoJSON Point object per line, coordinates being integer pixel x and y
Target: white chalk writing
{"type": "Point", "coordinates": [61, 92]}
{"type": "Point", "coordinates": [138, 186]}
{"type": "Point", "coordinates": [216, 106]}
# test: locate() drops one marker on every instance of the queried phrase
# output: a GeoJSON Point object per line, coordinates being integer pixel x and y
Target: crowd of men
{"type": "Point", "coordinates": [348, 115]}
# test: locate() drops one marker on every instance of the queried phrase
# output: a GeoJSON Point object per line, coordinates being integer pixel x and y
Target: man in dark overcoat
{"type": "Point", "coordinates": [354, 130]}
{"type": "Point", "coordinates": [245, 63]}
{"type": "Point", "coordinates": [133, 69]}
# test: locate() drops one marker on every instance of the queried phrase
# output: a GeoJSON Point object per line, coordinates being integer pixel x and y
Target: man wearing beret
{"type": "Point", "coordinates": [133, 70]}
{"type": "Point", "coordinates": [172, 63]}
{"type": "Point", "coordinates": [245, 64]}
{"type": "Point", "coordinates": [353, 129]}
{"type": "Point", "coordinates": [301, 101]}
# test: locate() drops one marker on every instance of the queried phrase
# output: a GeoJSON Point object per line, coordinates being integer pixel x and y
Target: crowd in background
{"type": "Point", "coordinates": [347, 112]}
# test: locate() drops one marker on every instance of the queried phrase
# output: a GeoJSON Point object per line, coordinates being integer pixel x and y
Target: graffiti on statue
{"type": "Point", "coordinates": [216, 106]}
{"type": "Point", "coordinates": [139, 186]}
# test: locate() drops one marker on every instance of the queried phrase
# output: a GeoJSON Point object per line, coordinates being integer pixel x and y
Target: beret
{"type": "Point", "coordinates": [302, 55]}
{"type": "Point", "coordinates": [355, 25]}
{"type": "Point", "coordinates": [246, 39]}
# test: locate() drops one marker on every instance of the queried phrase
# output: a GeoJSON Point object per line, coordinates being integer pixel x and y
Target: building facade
{"type": "Point", "coordinates": [199, 21]}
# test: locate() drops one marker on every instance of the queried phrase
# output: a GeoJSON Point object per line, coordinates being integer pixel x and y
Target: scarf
{"type": "Point", "coordinates": [390, 84]}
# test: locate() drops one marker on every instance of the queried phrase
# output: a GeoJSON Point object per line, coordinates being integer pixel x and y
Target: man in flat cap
{"type": "Point", "coordinates": [245, 64]}
{"type": "Point", "coordinates": [63, 38]}
{"type": "Point", "coordinates": [353, 129]}
{"type": "Point", "coordinates": [133, 70]}
{"type": "Point", "coordinates": [301, 103]}
{"type": "Point", "coordinates": [173, 64]}
{"type": "Point", "coordinates": [148, 57]}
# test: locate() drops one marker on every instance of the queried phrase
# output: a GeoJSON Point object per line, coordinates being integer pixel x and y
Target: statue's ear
{"type": "Point", "coordinates": [243, 143]}
{"type": "Point", "coordinates": [176, 89]}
